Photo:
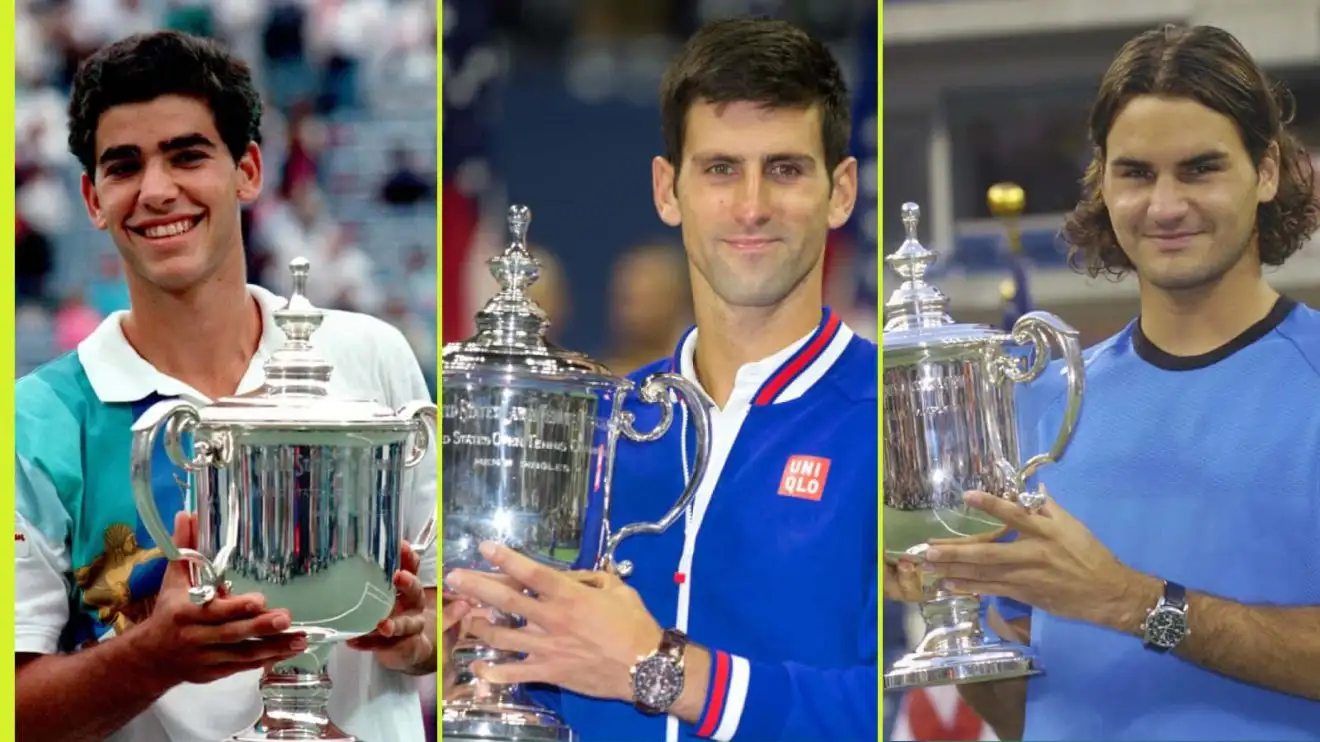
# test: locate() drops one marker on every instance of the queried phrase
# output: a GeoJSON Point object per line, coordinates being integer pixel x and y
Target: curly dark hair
{"type": "Point", "coordinates": [759, 60]}
{"type": "Point", "coordinates": [144, 67]}
{"type": "Point", "coordinates": [1208, 65]}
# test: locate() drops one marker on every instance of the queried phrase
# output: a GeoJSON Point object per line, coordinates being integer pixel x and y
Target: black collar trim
{"type": "Point", "coordinates": [1159, 358]}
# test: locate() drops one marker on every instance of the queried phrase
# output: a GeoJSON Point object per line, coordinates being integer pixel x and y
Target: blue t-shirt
{"type": "Point", "coordinates": [1204, 471]}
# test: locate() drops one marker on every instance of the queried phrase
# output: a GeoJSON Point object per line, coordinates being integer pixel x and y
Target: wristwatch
{"type": "Point", "coordinates": [1166, 624]}
{"type": "Point", "coordinates": [658, 677]}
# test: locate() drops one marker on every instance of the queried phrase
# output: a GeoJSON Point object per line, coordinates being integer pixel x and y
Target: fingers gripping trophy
{"type": "Point", "coordinates": [298, 496]}
{"type": "Point", "coordinates": [527, 450]}
{"type": "Point", "coordinates": [950, 426]}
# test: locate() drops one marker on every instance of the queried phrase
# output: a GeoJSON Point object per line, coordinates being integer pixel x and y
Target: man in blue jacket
{"type": "Point", "coordinates": [756, 618]}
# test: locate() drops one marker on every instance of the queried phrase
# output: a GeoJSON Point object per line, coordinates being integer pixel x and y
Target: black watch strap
{"type": "Point", "coordinates": [1175, 595]}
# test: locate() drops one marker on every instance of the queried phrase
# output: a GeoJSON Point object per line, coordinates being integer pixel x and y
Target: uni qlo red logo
{"type": "Point", "coordinates": [804, 477]}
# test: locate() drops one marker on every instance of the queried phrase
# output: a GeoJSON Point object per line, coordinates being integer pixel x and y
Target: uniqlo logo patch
{"type": "Point", "coordinates": [804, 477]}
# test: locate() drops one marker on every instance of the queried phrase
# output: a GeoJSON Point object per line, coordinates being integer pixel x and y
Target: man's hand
{"type": "Point", "coordinates": [405, 642]}
{"type": "Point", "coordinates": [585, 632]}
{"type": "Point", "coordinates": [906, 580]}
{"type": "Point", "coordinates": [1055, 564]}
{"type": "Point", "coordinates": [182, 642]}
{"type": "Point", "coordinates": [902, 581]}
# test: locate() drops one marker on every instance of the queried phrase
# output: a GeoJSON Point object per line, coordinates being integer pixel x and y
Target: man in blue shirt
{"type": "Point", "coordinates": [757, 617]}
{"type": "Point", "coordinates": [1172, 589]}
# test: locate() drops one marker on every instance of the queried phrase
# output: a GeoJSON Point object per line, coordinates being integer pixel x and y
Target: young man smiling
{"type": "Point", "coordinates": [1173, 588]}
{"type": "Point", "coordinates": [772, 573]}
{"type": "Point", "coordinates": [167, 129]}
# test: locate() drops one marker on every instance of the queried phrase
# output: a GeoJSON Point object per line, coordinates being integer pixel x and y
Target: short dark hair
{"type": "Point", "coordinates": [1210, 66]}
{"type": "Point", "coordinates": [759, 60]}
{"type": "Point", "coordinates": [143, 67]}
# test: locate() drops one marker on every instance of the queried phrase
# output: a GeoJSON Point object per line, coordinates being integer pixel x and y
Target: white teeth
{"type": "Point", "coordinates": [169, 230]}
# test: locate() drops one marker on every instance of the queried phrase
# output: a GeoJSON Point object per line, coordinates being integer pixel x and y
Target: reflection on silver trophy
{"type": "Point", "coordinates": [529, 437]}
{"type": "Point", "coordinates": [951, 426]}
{"type": "Point", "coordinates": [298, 496]}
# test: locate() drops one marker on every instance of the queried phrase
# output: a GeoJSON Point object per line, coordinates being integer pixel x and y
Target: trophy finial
{"type": "Point", "coordinates": [298, 367]}
{"type": "Point", "coordinates": [520, 218]}
{"type": "Point", "coordinates": [911, 215]}
{"type": "Point", "coordinates": [511, 318]}
{"type": "Point", "coordinates": [299, 267]}
{"type": "Point", "coordinates": [516, 269]}
{"type": "Point", "coordinates": [915, 303]}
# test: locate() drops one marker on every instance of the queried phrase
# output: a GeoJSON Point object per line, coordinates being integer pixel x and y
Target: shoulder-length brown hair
{"type": "Point", "coordinates": [1210, 66]}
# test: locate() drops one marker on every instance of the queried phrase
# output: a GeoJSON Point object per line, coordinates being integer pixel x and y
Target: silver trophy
{"type": "Point", "coordinates": [951, 426]}
{"type": "Point", "coordinates": [528, 443]}
{"type": "Point", "coordinates": [298, 496]}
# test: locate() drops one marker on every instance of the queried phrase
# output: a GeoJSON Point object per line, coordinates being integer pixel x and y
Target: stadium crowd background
{"type": "Point", "coordinates": [979, 92]}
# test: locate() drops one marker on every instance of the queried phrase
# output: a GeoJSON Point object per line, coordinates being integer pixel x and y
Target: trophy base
{"type": "Point", "coordinates": [479, 722]}
{"type": "Point", "coordinates": [967, 664]}
{"type": "Point", "coordinates": [329, 733]}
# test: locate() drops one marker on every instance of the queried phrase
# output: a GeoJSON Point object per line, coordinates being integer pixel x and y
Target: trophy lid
{"type": "Point", "coordinates": [296, 389]}
{"type": "Point", "coordinates": [511, 327]}
{"type": "Point", "coordinates": [917, 312]}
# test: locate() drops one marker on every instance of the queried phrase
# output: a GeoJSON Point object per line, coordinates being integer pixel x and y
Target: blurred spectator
{"type": "Point", "coordinates": [74, 321]}
{"type": "Point", "coordinates": [551, 293]}
{"type": "Point", "coordinates": [32, 264]}
{"type": "Point", "coordinates": [649, 306]}
{"type": "Point", "coordinates": [406, 186]}
{"type": "Point", "coordinates": [306, 138]}
{"type": "Point", "coordinates": [343, 275]}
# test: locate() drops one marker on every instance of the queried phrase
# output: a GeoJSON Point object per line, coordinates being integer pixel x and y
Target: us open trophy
{"type": "Point", "coordinates": [527, 450]}
{"type": "Point", "coordinates": [299, 497]}
{"type": "Point", "coordinates": [951, 426]}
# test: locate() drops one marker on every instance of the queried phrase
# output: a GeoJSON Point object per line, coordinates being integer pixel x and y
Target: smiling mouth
{"type": "Point", "coordinates": [173, 229]}
{"type": "Point", "coordinates": [750, 243]}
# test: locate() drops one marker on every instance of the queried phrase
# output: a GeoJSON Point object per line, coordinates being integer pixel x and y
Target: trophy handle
{"type": "Point", "coordinates": [1044, 330]}
{"type": "Point", "coordinates": [423, 414]}
{"type": "Point", "coordinates": [655, 390]}
{"type": "Point", "coordinates": [177, 417]}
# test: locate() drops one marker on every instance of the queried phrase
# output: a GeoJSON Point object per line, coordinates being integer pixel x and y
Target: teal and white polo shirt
{"type": "Point", "coordinates": [87, 570]}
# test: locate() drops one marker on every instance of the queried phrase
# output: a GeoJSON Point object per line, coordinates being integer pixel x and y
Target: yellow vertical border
{"type": "Point", "coordinates": [439, 325]}
{"type": "Point", "coordinates": [880, 323]}
{"type": "Point", "coordinates": [7, 396]}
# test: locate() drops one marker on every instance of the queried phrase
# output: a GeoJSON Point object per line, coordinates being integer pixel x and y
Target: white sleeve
{"type": "Point", "coordinates": [405, 383]}
{"type": "Point", "coordinates": [41, 569]}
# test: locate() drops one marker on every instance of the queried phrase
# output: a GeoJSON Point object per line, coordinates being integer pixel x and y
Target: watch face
{"type": "Point", "coordinates": [1165, 628]}
{"type": "Point", "coordinates": [657, 682]}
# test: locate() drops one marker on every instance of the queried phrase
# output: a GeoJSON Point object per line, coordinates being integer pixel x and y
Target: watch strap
{"type": "Point", "coordinates": [1175, 595]}
{"type": "Point", "coordinates": [672, 645]}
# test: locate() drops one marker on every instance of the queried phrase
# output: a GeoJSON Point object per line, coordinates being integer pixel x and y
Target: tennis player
{"type": "Point", "coordinates": [1172, 589]}
{"type": "Point", "coordinates": [108, 645]}
{"type": "Point", "coordinates": [756, 617]}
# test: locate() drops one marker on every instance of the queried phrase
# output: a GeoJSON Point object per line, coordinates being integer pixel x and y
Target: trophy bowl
{"type": "Point", "coordinates": [299, 497]}
{"type": "Point", "coordinates": [950, 426]}
{"type": "Point", "coordinates": [527, 451]}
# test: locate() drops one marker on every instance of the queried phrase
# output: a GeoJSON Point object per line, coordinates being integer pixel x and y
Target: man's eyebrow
{"type": "Point", "coordinates": [800, 157]}
{"type": "Point", "coordinates": [174, 144]}
{"type": "Point", "coordinates": [187, 141]}
{"type": "Point", "coordinates": [1204, 158]}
